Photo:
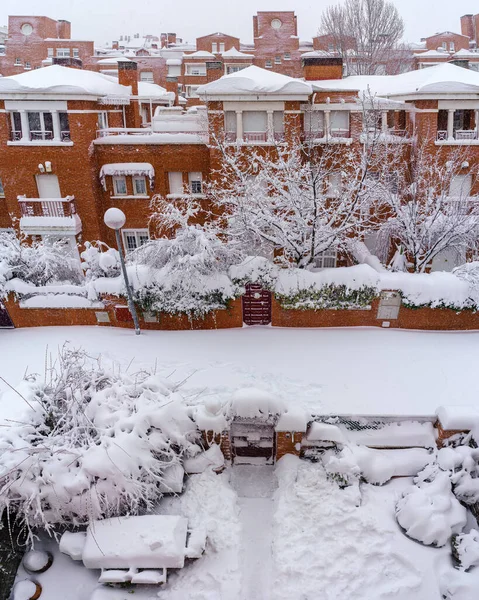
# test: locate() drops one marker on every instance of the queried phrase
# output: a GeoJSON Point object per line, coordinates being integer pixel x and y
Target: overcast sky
{"type": "Point", "coordinates": [106, 20]}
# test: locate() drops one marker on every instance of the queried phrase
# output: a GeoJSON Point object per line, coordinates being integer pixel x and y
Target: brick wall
{"type": "Point", "coordinates": [288, 442]}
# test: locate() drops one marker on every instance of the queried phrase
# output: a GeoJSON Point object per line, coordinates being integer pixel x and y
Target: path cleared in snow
{"type": "Point", "coordinates": [359, 371]}
{"type": "Point", "coordinates": [255, 486]}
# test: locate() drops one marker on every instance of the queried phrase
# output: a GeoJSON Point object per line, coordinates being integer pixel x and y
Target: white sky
{"type": "Point", "coordinates": [106, 20]}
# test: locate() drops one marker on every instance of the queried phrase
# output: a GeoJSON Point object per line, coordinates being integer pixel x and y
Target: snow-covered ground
{"type": "Point", "coordinates": [360, 371]}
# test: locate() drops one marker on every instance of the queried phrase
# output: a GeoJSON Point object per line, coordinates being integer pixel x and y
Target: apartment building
{"type": "Point", "coordinates": [74, 141]}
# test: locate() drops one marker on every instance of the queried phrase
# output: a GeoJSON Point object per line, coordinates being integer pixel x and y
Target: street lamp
{"type": "Point", "coordinates": [115, 218]}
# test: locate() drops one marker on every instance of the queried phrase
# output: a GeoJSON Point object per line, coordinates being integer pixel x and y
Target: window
{"type": "Point", "coordinates": [63, 52]}
{"type": "Point", "coordinates": [146, 76]}
{"type": "Point", "coordinates": [40, 125]}
{"type": "Point", "coordinates": [76, 53]}
{"type": "Point", "coordinates": [64, 126]}
{"type": "Point", "coordinates": [175, 181]}
{"type": "Point", "coordinates": [134, 238]}
{"type": "Point", "coordinates": [255, 126]}
{"type": "Point", "coordinates": [268, 64]}
{"type": "Point", "coordinates": [103, 120]}
{"type": "Point", "coordinates": [119, 185]}
{"type": "Point", "coordinates": [330, 47]}
{"type": "Point", "coordinates": [214, 48]}
{"type": "Point", "coordinates": [139, 186]}
{"type": "Point", "coordinates": [50, 52]}
{"type": "Point", "coordinates": [18, 62]}
{"type": "Point", "coordinates": [222, 46]}
{"type": "Point", "coordinates": [444, 45]}
{"type": "Point", "coordinates": [196, 70]}
{"type": "Point", "coordinates": [287, 56]}
{"type": "Point", "coordinates": [234, 68]}
{"type": "Point", "coordinates": [28, 66]}
{"type": "Point", "coordinates": [195, 180]}
{"type": "Point", "coordinates": [2, 191]}
{"type": "Point", "coordinates": [314, 123]}
{"type": "Point", "coordinates": [326, 259]}
{"type": "Point", "coordinates": [191, 91]}
{"type": "Point", "coordinates": [451, 46]}
{"type": "Point", "coordinates": [277, 60]}
{"type": "Point", "coordinates": [461, 186]}
{"type": "Point", "coordinates": [334, 184]}
{"type": "Point", "coordinates": [340, 122]}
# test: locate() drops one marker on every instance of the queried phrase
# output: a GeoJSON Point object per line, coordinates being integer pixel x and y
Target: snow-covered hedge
{"type": "Point", "coordinates": [93, 443]}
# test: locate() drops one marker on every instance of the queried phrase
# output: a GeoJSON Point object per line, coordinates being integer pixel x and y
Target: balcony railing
{"type": "Point", "coordinates": [459, 135]}
{"type": "Point", "coordinates": [47, 207]}
{"type": "Point", "coordinates": [36, 136]}
{"type": "Point", "coordinates": [125, 131]}
{"type": "Point", "coordinates": [255, 136]}
{"type": "Point", "coordinates": [339, 133]}
{"type": "Point", "coordinates": [15, 136]}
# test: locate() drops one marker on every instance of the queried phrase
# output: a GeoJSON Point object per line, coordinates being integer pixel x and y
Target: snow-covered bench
{"type": "Point", "coordinates": [133, 549]}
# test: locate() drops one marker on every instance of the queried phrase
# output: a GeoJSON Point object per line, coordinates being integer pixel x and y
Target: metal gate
{"type": "Point", "coordinates": [256, 305]}
{"type": "Point", "coordinates": [252, 442]}
{"type": "Point", "coordinates": [5, 321]}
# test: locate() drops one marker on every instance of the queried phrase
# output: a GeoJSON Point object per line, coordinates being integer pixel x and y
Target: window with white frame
{"type": "Point", "coordinates": [76, 53]}
{"type": "Point", "coordinates": [334, 184]}
{"type": "Point", "coordinates": [199, 69]}
{"type": "Point", "coordinates": [287, 56]}
{"type": "Point", "coordinates": [139, 186]}
{"type": "Point", "coordinates": [50, 52]}
{"type": "Point", "coordinates": [277, 60]}
{"type": "Point", "coordinates": [222, 46]}
{"type": "Point", "coordinates": [175, 182]}
{"type": "Point", "coordinates": [28, 66]}
{"type": "Point", "coordinates": [214, 48]}
{"type": "Point", "coordinates": [63, 52]}
{"type": "Point", "coordinates": [268, 64]}
{"type": "Point", "coordinates": [2, 191]}
{"type": "Point", "coordinates": [340, 121]}
{"type": "Point", "coordinates": [134, 238]}
{"type": "Point", "coordinates": [146, 76]}
{"type": "Point", "coordinates": [119, 185]}
{"type": "Point", "coordinates": [326, 259]}
{"type": "Point", "coordinates": [18, 62]}
{"type": "Point", "coordinates": [451, 46]}
{"type": "Point", "coordinates": [40, 125]}
{"type": "Point", "coordinates": [444, 45]}
{"type": "Point", "coordinates": [314, 123]}
{"type": "Point", "coordinates": [191, 91]}
{"type": "Point", "coordinates": [234, 68]}
{"type": "Point", "coordinates": [195, 180]}
{"type": "Point", "coordinates": [460, 186]}
{"type": "Point", "coordinates": [103, 120]}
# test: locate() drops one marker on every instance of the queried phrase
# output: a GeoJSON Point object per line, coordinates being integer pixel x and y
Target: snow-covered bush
{"type": "Point", "coordinates": [93, 443]}
{"type": "Point", "coordinates": [38, 263]}
{"type": "Point", "coordinates": [430, 513]}
{"type": "Point", "coordinates": [184, 274]}
{"type": "Point", "coordinates": [99, 260]}
{"type": "Point", "coordinates": [255, 269]}
{"type": "Point", "coordinates": [328, 297]}
{"type": "Point", "coordinates": [461, 463]}
{"type": "Point", "coordinates": [465, 549]}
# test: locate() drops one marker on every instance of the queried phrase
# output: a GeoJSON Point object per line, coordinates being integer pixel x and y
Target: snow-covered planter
{"type": "Point", "coordinates": [27, 590]}
{"type": "Point", "coordinates": [37, 561]}
{"type": "Point", "coordinates": [342, 288]}
{"type": "Point", "coordinates": [465, 549]}
{"type": "Point", "coordinates": [430, 513]}
{"type": "Point", "coordinates": [93, 443]}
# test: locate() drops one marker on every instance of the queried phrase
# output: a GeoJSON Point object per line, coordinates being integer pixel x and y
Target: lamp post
{"type": "Point", "coordinates": [115, 218]}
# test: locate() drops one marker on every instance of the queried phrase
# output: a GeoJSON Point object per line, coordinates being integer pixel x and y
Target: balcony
{"type": "Point", "coordinates": [41, 216]}
{"type": "Point", "coordinates": [255, 137]}
{"type": "Point", "coordinates": [39, 136]}
{"type": "Point", "coordinates": [129, 131]}
{"type": "Point", "coordinates": [460, 135]}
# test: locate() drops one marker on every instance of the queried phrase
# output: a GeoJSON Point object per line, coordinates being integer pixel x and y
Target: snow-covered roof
{"type": "Point", "coordinates": [130, 169]}
{"type": "Point", "coordinates": [255, 81]}
{"type": "Point", "coordinates": [170, 62]}
{"type": "Point", "coordinates": [63, 80]}
{"type": "Point", "coordinates": [113, 60]}
{"type": "Point", "coordinates": [152, 90]}
{"type": "Point", "coordinates": [315, 54]}
{"type": "Point", "coordinates": [432, 54]}
{"type": "Point", "coordinates": [200, 54]}
{"type": "Point", "coordinates": [149, 541]}
{"type": "Point", "coordinates": [463, 53]}
{"type": "Point", "coordinates": [439, 80]}
{"type": "Point", "coordinates": [233, 53]}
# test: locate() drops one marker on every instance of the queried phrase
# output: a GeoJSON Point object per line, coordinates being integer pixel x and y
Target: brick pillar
{"type": "Point", "coordinates": [214, 70]}
{"type": "Point", "coordinates": [288, 442]}
{"type": "Point", "coordinates": [128, 75]}
{"type": "Point", "coordinates": [171, 85]}
{"type": "Point", "coordinates": [444, 434]}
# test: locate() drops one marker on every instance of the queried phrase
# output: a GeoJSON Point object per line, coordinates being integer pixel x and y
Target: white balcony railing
{"type": "Point", "coordinates": [47, 207]}
{"type": "Point", "coordinates": [459, 135]}
{"type": "Point", "coordinates": [123, 131]}
{"type": "Point", "coordinates": [255, 136]}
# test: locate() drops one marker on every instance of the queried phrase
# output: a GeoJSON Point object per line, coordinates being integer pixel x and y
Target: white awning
{"type": "Point", "coordinates": [128, 169]}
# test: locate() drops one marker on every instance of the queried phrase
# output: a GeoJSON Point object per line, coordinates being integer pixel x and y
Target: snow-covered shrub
{"type": "Point", "coordinates": [93, 443]}
{"type": "Point", "coordinates": [99, 260]}
{"type": "Point", "coordinates": [461, 463]}
{"type": "Point", "coordinates": [255, 269]}
{"type": "Point", "coordinates": [328, 297]}
{"type": "Point", "coordinates": [185, 274]}
{"type": "Point", "coordinates": [38, 263]}
{"type": "Point", "coordinates": [430, 513]}
{"type": "Point", "coordinates": [465, 549]}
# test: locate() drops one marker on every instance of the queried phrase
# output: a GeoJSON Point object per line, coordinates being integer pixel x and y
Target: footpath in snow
{"type": "Point", "coordinates": [255, 486]}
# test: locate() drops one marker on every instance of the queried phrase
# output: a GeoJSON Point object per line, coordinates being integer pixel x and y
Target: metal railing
{"type": "Point", "coordinates": [339, 133]}
{"type": "Point", "coordinates": [125, 131]}
{"type": "Point", "coordinates": [458, 134]}
{"type": "Point", "coordinates": [15, 136]}
{"type": "Point", "coordinates": [37, 136]}
{"type": "Point", "coordinates": [47, 207]}
{"type": "Point", "coordinates": [255, 136]}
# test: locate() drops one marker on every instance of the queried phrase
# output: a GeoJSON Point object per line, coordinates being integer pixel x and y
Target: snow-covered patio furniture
{"type": "Point", "coordinates": [132, 549]}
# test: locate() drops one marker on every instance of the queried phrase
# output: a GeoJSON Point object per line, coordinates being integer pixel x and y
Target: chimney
{"type": "Point", "coordinates": [316, 68]}
{"type": "Point", "coordinates": [64, 30]}
{"type": "Point", "coordinates": [214, 70]}
{"type": "Point", "coordinates": [73, 63]}
{"type": "Point", "coordinates": [467, 26]}
{"type": "Point", "coordinates": [114, 45]}
{"type": "Point", "coordinates": [171, 85]}
{"type": "Point", "coordinates": [128, 75]}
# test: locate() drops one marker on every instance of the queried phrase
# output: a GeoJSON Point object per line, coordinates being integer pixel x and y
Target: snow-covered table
{"type": "Point", "coordinates": [134, 549]}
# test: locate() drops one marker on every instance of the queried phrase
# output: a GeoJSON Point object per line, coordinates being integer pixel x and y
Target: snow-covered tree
{"type": "Point", "coordinates": [425, 208]}
{"type": "Point", "coordinates": [93, 443]}
{"type": "Point", "coordinates": [186, 273]}
{"type": "Point", "coordinates": [99, 260]}
{"type": "Point", "coordinates": [38, 263]}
